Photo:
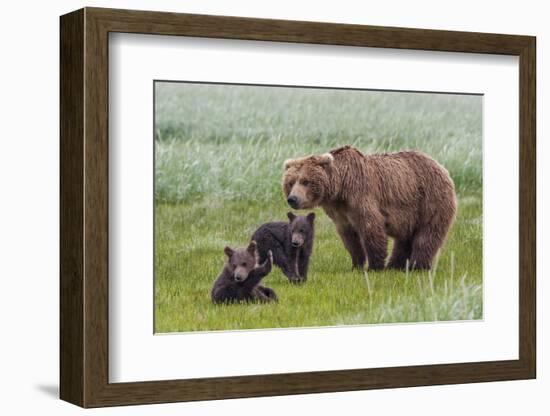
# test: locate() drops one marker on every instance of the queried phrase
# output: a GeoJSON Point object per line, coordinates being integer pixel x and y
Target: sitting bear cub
{"type": "Point", "coordinates": [291, 243]}
{"type": "Point", "coordinates": [241, 276]}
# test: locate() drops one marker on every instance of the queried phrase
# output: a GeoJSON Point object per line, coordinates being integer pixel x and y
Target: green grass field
{"type": "Point", "coordinates": [218, 154]}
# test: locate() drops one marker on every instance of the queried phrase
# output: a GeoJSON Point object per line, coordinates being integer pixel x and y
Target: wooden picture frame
{"type": "Point", "coordinates": [84, 207]}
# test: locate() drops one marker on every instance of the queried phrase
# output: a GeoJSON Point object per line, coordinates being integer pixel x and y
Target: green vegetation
{"type": "Point", "coordinates": [219, 155]}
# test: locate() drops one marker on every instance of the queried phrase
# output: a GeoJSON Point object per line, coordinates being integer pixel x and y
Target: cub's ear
{"type": "Point", "coordinates": [311, 217]}
{"type": "Point", "coordinates": [228, 251]}
{"type": "Point", "coordinates": [252, 248]}
{"type": "Point", "coordinates": [291, 216]}
{"type": "Point", "coordinates": [325, 159]}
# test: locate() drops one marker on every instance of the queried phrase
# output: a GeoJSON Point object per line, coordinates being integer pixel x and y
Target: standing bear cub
{"type": "Point", "coordinates": [241, 277]}
{"type": "Point", "coordinates": [291, 243]}
{"type": "Point", "coordinates": [405, 195]}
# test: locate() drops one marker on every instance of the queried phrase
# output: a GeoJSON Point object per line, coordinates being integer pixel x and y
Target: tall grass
{"type": "Point", "coordinates": [240, 135]}
{"type": "Point", "coordinates": [219, 151]}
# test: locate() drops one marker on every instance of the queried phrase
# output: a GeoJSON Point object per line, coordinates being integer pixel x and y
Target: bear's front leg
{"type": "Point", "coordinates": [303, 265]}
{"type": "Point", "coordinates": [370, 227]}
{"type": "Point", "coordinates": [257, 274]}
{"type": "Point", "coordinates": [350, 237]}
{"type": "Point", "coordinates": [353, 245]}
{"type": "Point", "coordinates": [287, 262]}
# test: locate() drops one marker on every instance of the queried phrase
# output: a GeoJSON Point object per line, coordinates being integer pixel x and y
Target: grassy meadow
{"type": "Point", "coordinates": [219, 151]}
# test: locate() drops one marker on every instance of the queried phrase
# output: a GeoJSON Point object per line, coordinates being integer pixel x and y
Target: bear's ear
{"type": "Point", "coordinates": [228, 251]}
{"type": "Point", "coordinates": [291, 216]}
{"type": "Point", "coordinates": [325, 159]}
{"type": "Point", "coordinates": [311, 217]}
{"type": "Point", "coordinates": [295, 162]}
{"type": "Point", "coordinates": [252, 248]}
{"type": "Point", "coordinates": [288, 163]}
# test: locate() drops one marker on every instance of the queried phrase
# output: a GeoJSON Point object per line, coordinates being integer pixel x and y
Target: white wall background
{"type": "Point", "coordinates": [29, 158]}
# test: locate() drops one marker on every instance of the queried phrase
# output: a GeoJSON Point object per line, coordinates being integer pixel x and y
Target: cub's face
{"type": "Point", "coordinates": [301, 228]}
{"type": "Point", "coordinates": [305, 181]}
{"type": "Point", "coordinates": [241, 261]}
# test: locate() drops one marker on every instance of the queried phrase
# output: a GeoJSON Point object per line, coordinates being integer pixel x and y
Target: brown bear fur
{"type": "Point", "coordinates": [290, 242]}
{"type": "Point", "coordinates": [240, 278]}
{"type": "Point", "coordinates": [405, 195]}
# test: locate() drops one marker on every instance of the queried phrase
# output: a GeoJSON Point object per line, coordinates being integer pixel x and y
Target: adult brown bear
{"type": "Point", "coordinates": [405, 195]}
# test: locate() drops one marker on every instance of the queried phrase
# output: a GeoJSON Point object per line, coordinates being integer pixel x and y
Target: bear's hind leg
{"type": "Point", "coordinates": [426, 242]}
{"type": "Point", "coordinates": [400, 254]}
{"type": "Point", "coordinates": [376, 245]}
{"type": "Point", "coordinates": [269, 294]}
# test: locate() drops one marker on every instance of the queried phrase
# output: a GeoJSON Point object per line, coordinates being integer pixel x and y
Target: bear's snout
{"type": "Point", "coordinates": [297, 240]}
{"type": "Point", "coordinates": [293, 201]}
{"type": "Point", "coordinates": [239, 276]}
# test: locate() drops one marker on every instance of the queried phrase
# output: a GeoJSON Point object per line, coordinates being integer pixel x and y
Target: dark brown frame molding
{"type": "Point", "coordinates": [84, 208]}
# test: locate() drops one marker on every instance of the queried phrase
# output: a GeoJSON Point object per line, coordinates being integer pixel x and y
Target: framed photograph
{"type": "Point", "coordinates": [255, 207]}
